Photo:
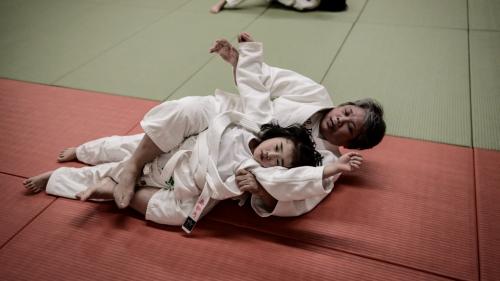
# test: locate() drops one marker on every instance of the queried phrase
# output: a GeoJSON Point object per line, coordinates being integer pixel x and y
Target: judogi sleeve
{"type": "Point", "coordinates": [255, 96]}
{"type": "Point", "coordinates": [300, 189]}
{"type": "Point", "coordinates": [279, 82]}
{"type": "Point", "coordinates": [286, 208]}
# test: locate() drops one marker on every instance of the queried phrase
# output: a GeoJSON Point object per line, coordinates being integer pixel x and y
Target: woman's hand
{"type": "Point", "coordinates": [247, 183]}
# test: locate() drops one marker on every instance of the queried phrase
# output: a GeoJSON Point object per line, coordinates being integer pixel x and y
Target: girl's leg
{"type": "Point", "coordinates": [141, 198]}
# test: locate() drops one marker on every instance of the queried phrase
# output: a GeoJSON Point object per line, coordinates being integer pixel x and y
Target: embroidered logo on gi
{"type": "Point", "coordinates": [170, 184]}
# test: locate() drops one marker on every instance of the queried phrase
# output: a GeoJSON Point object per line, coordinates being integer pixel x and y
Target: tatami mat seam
{"type": "Point", "coordinates": [413, 25]}
{"type": "Point", "coordinates": [118, 43]}
{"type": "Point", "coordinates": [484, 30]}
{"type": "Point", "coordinates": [473, 146]}
{"type": "Point", "coordinates": [343, 43]}
{"type": "Point", "coordinates": [13, 175]}
{"type": "Point", "coordinates": [78, 89]}
{"type": "Point", "coordinates": [28, 223]}
{"type": "Point", "coordinates": [286, 238]}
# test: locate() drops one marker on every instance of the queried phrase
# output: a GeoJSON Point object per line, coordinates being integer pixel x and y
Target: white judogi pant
{"type": "Point", "coordinates": [187, 116]}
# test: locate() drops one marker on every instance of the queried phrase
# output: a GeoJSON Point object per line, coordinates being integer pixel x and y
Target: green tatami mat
{"type": "Point", "coordinates": [156, 61]}
{"type": "Point", "coordinates": [20, 20]}
{"type": "Point", "coordinates": [484, 14]}
{"type": "Point", "coordinates": [305, 43]}
{"type": "Point", "coordinates": [485, 88]}
{"type": "Point", "coordinates": [67, 36]}
{"type": "Point", "coordinates": [420, 75]}
{"type": "Point", "coordinates": [442, 13]}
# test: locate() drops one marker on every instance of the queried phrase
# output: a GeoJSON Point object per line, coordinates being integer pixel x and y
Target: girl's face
{"type": "Point", "coordinates": [275, 152]}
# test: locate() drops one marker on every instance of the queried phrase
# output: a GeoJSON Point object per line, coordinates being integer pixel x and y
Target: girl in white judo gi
{"type": "Point", "coordinates": [173, 174]}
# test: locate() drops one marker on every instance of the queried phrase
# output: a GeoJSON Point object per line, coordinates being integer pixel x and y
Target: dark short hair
{"type": "Point", "coordinates": [373, 130]}
{"type": "Point", "coordinates": [305, 153]}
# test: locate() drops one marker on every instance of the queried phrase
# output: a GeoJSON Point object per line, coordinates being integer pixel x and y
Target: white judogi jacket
{"type": "Point", "coordinates": [295, 99]}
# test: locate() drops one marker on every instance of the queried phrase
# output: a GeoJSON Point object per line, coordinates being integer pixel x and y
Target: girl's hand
{"type": "Point", "coordinates": [349, 162]}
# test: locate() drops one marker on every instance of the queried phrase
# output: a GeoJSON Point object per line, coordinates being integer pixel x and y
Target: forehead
{"type": "Point", "coordinates": [355, 109]}
{"type": "Point", "coordinates": [357, 113]}
{"type": "Point", "coordinates": [287, 143]}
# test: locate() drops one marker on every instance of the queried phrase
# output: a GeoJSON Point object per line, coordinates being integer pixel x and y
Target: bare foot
{"type": "Point", "coordinates": [124, 189]}
{"type": "Point", "coordinates": [68, 154]}
{"type": "Point", "coordinates": [37, 183]}
{"type": "Point", "coordinates": [245, 37]}
{"type": "Point", "coordinates": [218, 6]}
{"type": "Point", "coordinates": [102, 190]}
{"type": "Point", "coordinates": [226, 51]}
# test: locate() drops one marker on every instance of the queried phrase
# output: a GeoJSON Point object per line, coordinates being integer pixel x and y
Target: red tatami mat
{"type": "Point", "coordinates": [412, 204]}
{"type": "Point", "coordinates": [39, 121]}
{"type": "Point", "coordinates": [488, 212]}
{"type": "Point", "coordinates": [17, 208]}
{"type": "Point", "coordinates": [88, 241]}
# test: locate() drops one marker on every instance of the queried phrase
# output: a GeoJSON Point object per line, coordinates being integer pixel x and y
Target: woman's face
{"type": "Point", "coordinates": [275, 152]}
{"type": "Point", "coordinates": [342, 124]}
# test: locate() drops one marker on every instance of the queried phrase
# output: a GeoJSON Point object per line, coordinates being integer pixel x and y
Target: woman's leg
{"type": "Point", "coordinates": [37, 183]}
{"type": "Point", "coordinates": [68, 182]}
{"type": "Point", "coordinates": [103, 150]}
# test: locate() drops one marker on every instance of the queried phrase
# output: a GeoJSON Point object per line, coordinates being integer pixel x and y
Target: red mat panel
{"type": "Point", "coordinates": [38, 121]}
{"type": "Point", "coordinates": [412, 204]}
{"type": "Point", "coordinates": [488, 211]}
{"type": "Point", "coordinates": [16, 207]}
{"type": "Point", "coordinates": [86, 241]}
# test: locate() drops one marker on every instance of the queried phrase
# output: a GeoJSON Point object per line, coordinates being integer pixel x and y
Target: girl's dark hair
{"type": "Point", "coordinates": [305, 153]}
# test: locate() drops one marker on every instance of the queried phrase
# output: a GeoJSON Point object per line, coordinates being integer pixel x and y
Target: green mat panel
{"type": "Point", "coordinates": [442, 13]}
{"type": "Point", "coordinates": [484, 14]}
{"type": "Point", "coordinates": [485, 88]}
{"type": "Point", "coordinates": [303, 42]}
{"type": "Point", "coordinates": [25, 19]}
{"type": "Point", "coordinates": [66, 36]}
{"type": "Point", "coordinates": [159, 59]}
{"type": "Point", "coordinates": [420, 75]}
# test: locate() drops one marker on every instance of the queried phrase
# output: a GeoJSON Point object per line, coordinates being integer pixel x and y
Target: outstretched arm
{"type": "Point", "coordinates": [296, 199]}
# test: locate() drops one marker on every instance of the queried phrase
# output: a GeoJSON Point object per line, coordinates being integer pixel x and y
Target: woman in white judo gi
{"type": "Point", "coordinates": [294, 99]}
